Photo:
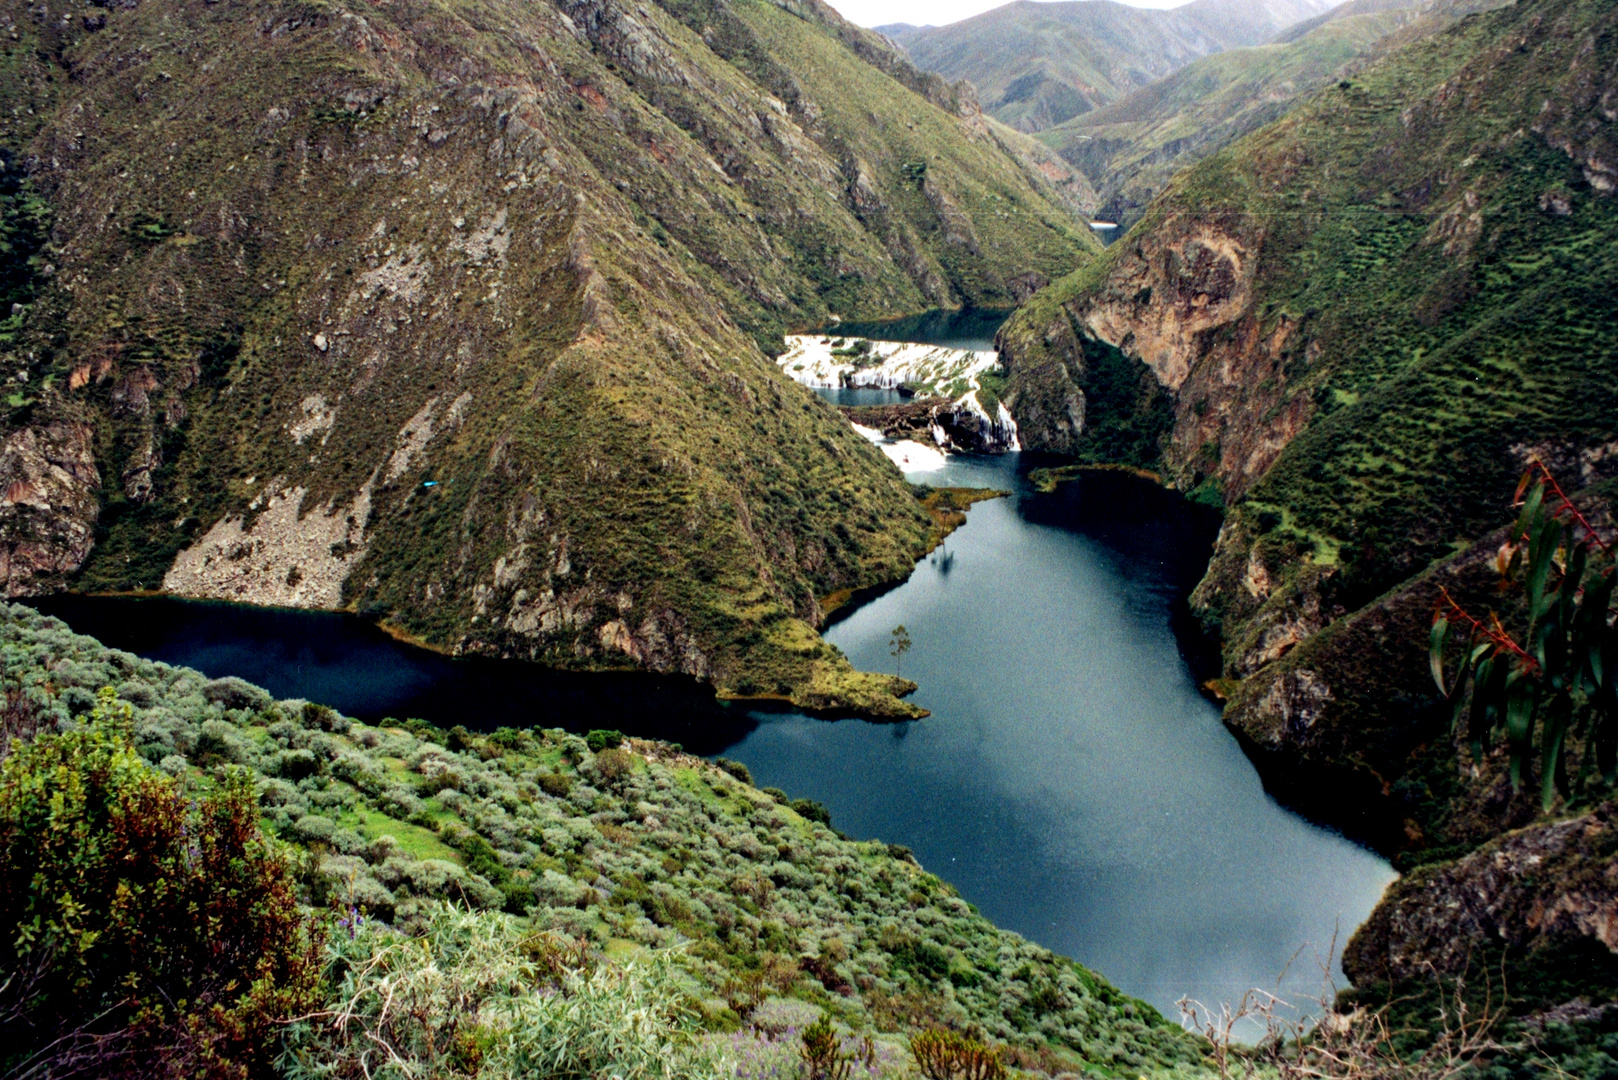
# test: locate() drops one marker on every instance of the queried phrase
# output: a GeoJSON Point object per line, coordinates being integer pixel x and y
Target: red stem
{"type": "Point", "coordinates": [1568, 507]}
{"type": "Point", "coordinates": [1496, 633]}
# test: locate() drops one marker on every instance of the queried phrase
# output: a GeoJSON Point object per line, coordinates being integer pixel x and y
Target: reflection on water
{"type": "Point", "coordinates": [1071, 781]}
{"type": "Point", "coordinates": [968, 329]}
{"type": "Point", "coordinates": [348, 663]}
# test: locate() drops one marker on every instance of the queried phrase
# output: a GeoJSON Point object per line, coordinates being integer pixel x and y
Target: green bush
{"type": "Point", "coordinates": [604, 739]}
{"type": "Point", "coordinates": [141, 932]}
{"type": "Point", "coordinates": [810, 810]}
{"type": "Point", "coordinates": [612, 765]}
{"type": "Point", "coordinates": [556, 785]}
{"type": "Point", "coordinates": [735, 768]}
{"type": "Point", "coordinates": [474, 995]}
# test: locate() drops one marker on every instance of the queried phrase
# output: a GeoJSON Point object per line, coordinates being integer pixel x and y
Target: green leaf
{"type": "Point", "coordinates": [1542, 547]}
{"type": "Point", "coordinates": [1486, 702]}
{"type": "Point", "coordinates": [1551, 748]}
{"type": "Point", "coordinates": [1596, 632]}
{"type": "Point", "coordinates": [1578, 557]}
{"type": "Point", "coordinates": [1530, 511]}
{"type": "Point", "coordinates": [1435, 655]}
{"type": "Point", "coordinates": [1521, 692]}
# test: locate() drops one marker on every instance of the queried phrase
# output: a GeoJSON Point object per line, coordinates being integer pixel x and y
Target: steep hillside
{"type": "Point", "coordinates": [1354, 327]}
{"type": "Point", "coordinates": [452, 313]}
{"type": "Point", "coordinates": [637, 850]}
{"type": "Point", "coordinates": [1129, 149]}
{"type": "Point", "coordinates": [1037, 64]}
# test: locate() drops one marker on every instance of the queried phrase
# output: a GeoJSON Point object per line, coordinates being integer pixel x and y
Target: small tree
{"type": "Point", "coordinates": [1559, 674]}
{"type": "Point", "coordinates": [942, 1054]}
{"type": "Point", "coordinates": [898, 645]}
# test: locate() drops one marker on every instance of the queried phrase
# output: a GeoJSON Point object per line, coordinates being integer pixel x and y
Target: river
{"type": "Point", "coordinates": [1071, 782]}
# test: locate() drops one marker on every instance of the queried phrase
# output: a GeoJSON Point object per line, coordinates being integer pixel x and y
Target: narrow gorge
{"type": "Point", "coordinates": [1354, 330]}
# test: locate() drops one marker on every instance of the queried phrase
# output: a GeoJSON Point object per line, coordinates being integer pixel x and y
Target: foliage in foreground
{"type": "Point", "coordinates": [477, 995]}
{"type": "Point", "coordinates": [635, 849]}
{"type": "Point", "coordinates": [1456, 1035]}
{"type": "Point", "coordinates": [1562, 677]}
{"type": "Point", "coordinates": [141, 931]}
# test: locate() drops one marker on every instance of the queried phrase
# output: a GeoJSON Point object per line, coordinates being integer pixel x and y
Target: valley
{"type": "Point", "coordinates": [606, 539]}
{"type": "Point", "coordinates": [1014, 790]}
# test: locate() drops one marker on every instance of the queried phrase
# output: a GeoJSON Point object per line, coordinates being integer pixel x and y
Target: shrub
{"type": "Point", "coordinates": [736, 769]}
{"type": "Point", "coordinates": [474, 995]}
{"type": "Point", "coordinates": [949, 1055]}
{"type": "Point", "coordinates": [20, 720]}
{"type": "Point", "coordinates": [607, 739]}
{"type": "Point", "coordinates": [810, 810]}
{"type": "Point", "coordinates": [613, 765]}
{"type": "Point", "coordinates": [827, 1057]}
{"type": "Point", "coordinates": [324, 718]}
{"type": "Point", "coordinates": [141, 932]}
{"type": "Point", "coordinates": [556, 785]}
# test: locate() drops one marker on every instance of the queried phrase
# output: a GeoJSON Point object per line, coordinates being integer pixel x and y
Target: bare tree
{"type": "Point", "coordinates": [1363, 1044]}
{"type": "Point", "coordinates": [898, 645]}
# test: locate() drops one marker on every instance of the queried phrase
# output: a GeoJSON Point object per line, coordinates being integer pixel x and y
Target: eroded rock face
{"type": "Point", "coordinates": [1179, 300]}
{"type": "Point", "coordinates": [1165, 293]}
{"type": "Point", "coordinates": [287, 555]}
{"type": "Point", "coordinates": [51, 495]}
{"type": "Point", "coordinates": [1548, 888]}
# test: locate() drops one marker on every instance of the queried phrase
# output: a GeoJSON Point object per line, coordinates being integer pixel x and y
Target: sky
{"type": "Point", "coordinates": [936, 12]}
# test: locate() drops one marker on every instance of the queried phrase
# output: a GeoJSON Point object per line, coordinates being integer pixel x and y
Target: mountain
{"type": "Point", "coordinates": [900, 32]}
{"type": "Point", "coordinates": [456, 315]}
{"type": "Point", "coordinates": [1037, 64]}
{"type": "Point", "coordinates": [1130, 148]}
{"type": "Point", "coordinates": [1354, 329]}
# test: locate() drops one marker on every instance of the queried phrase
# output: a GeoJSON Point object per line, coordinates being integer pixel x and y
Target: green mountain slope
{"type": "Point", "coordinates": [1356, 326]}
{"type": "Point", "coordinates": [1130, 148]}
{"type": "Point", "coordinates": [639, 851]}
{"type": "Point", "coordinates": [452, 313]}
{"type": "Point", "coordinates": [1037, 64]}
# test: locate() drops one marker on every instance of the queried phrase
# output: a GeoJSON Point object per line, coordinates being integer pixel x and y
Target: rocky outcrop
{"type": "Point", "coordinates": [51, 495]}
{"type": "Point", "coordinates": [286, 555]}
{"type": "Point", "coordinates": [1548, 893]}
{"type": "Point", "coordinates": [1180, 301]}
{"type": "Point", "coordinates": [955, 427]}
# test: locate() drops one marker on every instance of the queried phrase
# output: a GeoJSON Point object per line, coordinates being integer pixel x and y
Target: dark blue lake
{"type": "Point", "coordinates": [1072, 781]}
{"type": "Point", "coordinates": [969, 328]}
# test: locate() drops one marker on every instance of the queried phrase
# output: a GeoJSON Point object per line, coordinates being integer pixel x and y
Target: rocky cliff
{"type": "Point", "coordinates": [452, 314]}
{"type": "Point", "coordinates": [1362, 321]}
